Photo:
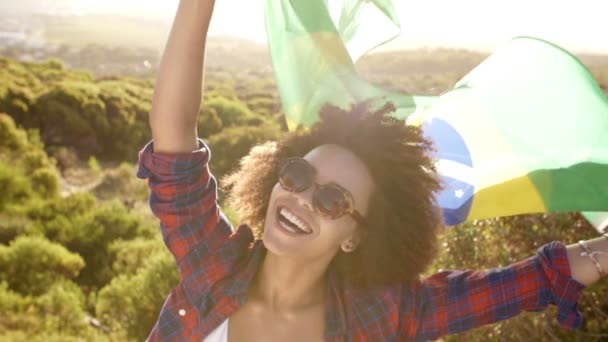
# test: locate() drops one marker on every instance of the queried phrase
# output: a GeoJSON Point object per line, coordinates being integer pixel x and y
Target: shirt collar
{"type": "Point", "coordinates": [335, 319]}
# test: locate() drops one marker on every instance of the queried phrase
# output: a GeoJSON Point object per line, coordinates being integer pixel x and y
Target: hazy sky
{"type": "Point", "coordinates": [579, 25]}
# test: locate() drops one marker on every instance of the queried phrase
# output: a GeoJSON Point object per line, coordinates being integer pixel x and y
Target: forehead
{"type": "Point", "coordinates": [339, 165]}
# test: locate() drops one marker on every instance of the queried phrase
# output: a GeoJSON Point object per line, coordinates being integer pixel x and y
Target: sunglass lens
{"type": "Point", "coordinates": [330, 201]}
{"type": "Point", "coordinates": [296, 176]}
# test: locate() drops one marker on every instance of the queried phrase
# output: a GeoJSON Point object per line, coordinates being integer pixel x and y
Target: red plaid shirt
{"type": "Point", "coordinates": [217, 264]}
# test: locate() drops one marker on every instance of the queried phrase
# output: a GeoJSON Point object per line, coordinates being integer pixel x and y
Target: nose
{"type": "Point", "coordinates": [304, 198]}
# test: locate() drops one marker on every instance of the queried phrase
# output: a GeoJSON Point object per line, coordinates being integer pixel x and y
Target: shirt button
{"type": "Point", "coordinates": [182, 312]}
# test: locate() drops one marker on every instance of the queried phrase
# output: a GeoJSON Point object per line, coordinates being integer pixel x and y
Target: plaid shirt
{"type": "Point", "coordinates": [217, 264]}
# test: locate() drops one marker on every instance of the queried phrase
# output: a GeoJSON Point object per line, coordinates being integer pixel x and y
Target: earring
{"type": "Point", "coordinates": [348, 246]}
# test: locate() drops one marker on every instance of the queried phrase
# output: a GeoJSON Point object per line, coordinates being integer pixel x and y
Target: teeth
{"type": "Point", "coordinates": [295, 220]}
{"type": "Point", "coordinates": [293, 230]}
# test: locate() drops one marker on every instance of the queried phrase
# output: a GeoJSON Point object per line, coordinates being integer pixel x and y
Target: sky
{"type": "Point", "coordinates": [477, 24]}
{"type": "Point", "coordinates": [473, 24]}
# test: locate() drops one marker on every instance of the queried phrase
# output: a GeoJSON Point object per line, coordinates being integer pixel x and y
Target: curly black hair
{"type": "Point", "coordinates": [402, 220]}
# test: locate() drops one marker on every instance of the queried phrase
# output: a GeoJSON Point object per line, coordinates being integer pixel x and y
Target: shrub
{"type": "Point", "coordinates": [11, 137]}
{"type": "Point", "coordinates": [56, 315]}
{"type": "Point", "coordinates": [263, 105]}
{"type": "Point", "coordinates": [62, 308]}
{"type": "Point", "coordinates": [129, 256]}
{"type": "Point", "coordinates": [11, 227]}
{"type": "Point", "coordinates": [95, 230]}
{"type": "Point", "coordinates": [45, 182]}
{"type": "Point", "coordinates": [30, 264]}
{"type": "Point", "coordinates": [231, 112]}
{"type": "Point", "coordinates": [16, 188]}
{"type": "Point", "coordinates": [35, 158]}
{"type": "Point", "coordinates": [133, 302]}
{"type": "Point", "coordinates": [209, 122]}
{"type": "Point", "coordinates": [66, 211]}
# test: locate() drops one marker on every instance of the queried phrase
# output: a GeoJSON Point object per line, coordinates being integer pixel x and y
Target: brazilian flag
{"type": "Point", "coordinates": [526, 131]}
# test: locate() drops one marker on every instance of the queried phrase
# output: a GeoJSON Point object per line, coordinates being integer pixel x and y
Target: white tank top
{"type": "Point", "coordinates": [220, 334]}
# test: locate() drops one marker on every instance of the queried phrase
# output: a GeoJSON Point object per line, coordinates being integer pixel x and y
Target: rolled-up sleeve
{"type": "Point", "coordinates": [183, 195]}
{"type": "Point", "coordinates": [456, 301]}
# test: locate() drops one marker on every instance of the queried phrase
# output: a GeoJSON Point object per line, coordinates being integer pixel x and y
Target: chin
{"type": "Point", "coordinates": [279, 243]}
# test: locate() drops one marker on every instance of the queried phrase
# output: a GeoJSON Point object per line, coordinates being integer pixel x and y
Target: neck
{"type": "Point", "coordinates": [285, 284]}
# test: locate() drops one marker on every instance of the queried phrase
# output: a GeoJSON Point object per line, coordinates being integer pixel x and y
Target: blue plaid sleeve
{"type": "Point", "coordinates": [456, 301]}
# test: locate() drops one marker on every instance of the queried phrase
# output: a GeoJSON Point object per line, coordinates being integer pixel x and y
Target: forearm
{"type": "Point", "coordinates": [177, 93]}
{"type": "Point", "coordinates": [582, 268]}
{"type": "Point", "coordinates": [183, 195]}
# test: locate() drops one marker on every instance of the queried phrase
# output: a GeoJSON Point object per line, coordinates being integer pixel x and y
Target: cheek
{"type": "Point", "coordinates": [277, 190]}
{"type": "Point", "coordinates": [337, 230]}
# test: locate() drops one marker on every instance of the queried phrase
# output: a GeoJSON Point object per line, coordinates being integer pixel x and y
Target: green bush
{"type": "Point", "coordinates": [56, 218]}
{"type": "Point", "coordinates": [56, 315]}
{"type": "Point", "coordinates": [62, 307]}
{"type": "Point", "coordinates": [86, 227]}
{"type": "Point", "coordinates": [12, 310]}
{"type": "Point", "coordinates": [11, 138]}
{"type": "Point", "coordinates": [25, 169]}
{"type": "Point", "coordinates": [11, 227]}
{"type": "Point", "coordinates": [16, 187]}
{"type": "Point", "coordinates": [96, 230]}
{"type": "Point", "coordinates": [45, 182]}
{"type": "Point", "coordinates": [67, 115]}
{"type": "Point", "coordinates": [129, 256]}
{"type": "Point", "coordinates": [132, 302]}
{"type": "Point", "coordinates": [209, 122]}
{"type": "Point", "coordinates": [30, 264]}
{"type": "Point", "coordinates": [35, 158]}
{"type": "Point", "coordinates": [265, 106]}
{"type": "Point", "coordinates": [231, 112]}
{"type": "Point", "coordinates": [10, 301]}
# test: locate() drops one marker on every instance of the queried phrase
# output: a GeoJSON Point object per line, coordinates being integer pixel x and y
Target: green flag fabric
{"type": "Point", "coordinates": [598, 219]}
{"type": "Point", "coordinates": [524, 132]}
{"type": "Point", "coordinates": [313, 47]}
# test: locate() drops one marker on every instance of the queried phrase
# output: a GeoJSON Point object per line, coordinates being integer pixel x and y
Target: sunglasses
{"type": "Point", "coordinates": [329, 200]}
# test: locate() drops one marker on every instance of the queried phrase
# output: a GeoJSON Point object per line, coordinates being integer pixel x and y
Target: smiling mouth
{"type": "Point", "coordinates": [292, 223]}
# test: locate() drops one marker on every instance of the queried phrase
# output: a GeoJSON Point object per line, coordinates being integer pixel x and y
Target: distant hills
{"type": "Point", "coordinates": [112, 45]}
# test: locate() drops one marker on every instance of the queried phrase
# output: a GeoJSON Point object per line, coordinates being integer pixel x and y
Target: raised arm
{"type": "Point", "coordinates": [177, 93]}
{"type": "Point", "coordinates": [183, 193]}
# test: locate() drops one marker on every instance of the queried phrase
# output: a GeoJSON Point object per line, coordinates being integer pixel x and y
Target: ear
{"type": "Point", "coordinates": [351, 243]}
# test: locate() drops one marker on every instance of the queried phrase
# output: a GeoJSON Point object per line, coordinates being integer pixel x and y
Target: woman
{"type": "Point", "coordinates": [345, 220]}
